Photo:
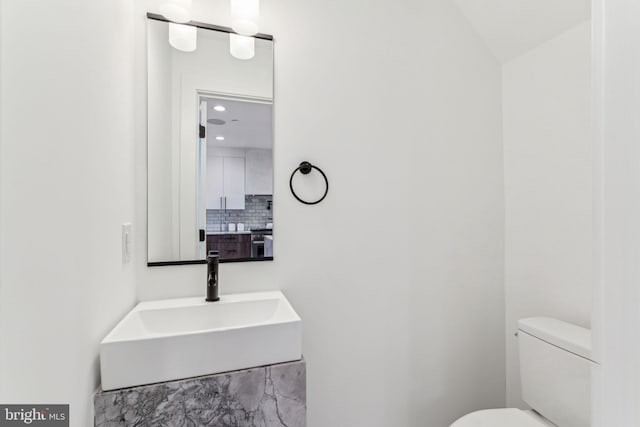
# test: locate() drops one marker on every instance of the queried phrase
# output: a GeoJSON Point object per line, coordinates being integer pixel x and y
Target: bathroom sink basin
{"type": "Point", "coordinates": [188, 337]}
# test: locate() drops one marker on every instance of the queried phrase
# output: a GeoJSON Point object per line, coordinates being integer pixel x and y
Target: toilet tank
{"type": "Point", "coordinates": [555, 370]}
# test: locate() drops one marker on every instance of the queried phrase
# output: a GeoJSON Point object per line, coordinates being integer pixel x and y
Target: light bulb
{"type": "Point", "coordinates": [242, 47]}
{"type": "Point", "coordinates": [244, 16]}
{"type": "Point", "coordinates": [183, 37]}
{"type": "Point", "coordinates": [176, 10]}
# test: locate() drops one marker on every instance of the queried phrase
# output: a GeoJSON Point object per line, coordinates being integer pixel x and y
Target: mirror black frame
{"type": "Point", "coordinates": [202, 25]}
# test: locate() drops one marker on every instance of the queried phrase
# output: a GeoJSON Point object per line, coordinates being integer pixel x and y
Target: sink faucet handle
{"type": "Point", "coordinates": [212, 277]}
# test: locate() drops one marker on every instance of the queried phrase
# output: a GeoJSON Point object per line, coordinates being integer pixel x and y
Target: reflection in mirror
{"type": "Point", "coordinates": [239, 177]}
{"type": "Point", "coordinates": [210, 149]}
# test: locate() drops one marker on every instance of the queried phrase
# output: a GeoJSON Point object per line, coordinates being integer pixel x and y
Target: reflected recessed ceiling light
{"type": "Point", "coordinates": [218, 122]}
{"type": "Point", "coordinates": [220, 138]}
{"type": "Point", "coordinates": [219, 108]}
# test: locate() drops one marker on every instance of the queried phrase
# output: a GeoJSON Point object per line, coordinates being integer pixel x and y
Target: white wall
{"type": "Point", "coordinates": [66, 187]}
{"type": "Point", "coordinates": [617, 202]}
{"type": "Point", "coordinates": [398, 274]}
{"type": "Point", "coordinates": [548, 187]}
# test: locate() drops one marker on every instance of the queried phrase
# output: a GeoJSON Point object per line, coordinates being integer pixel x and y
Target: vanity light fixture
{"type": "Point", "coordinates": [183, 37]}
{"type": "Point", "coordinates": [176, 10]}
{"type": "Point", "coordinates": [244, 16]}
{"type": "Point", "coordinates": [219, 108]}
{"type": "Point", "coordinates": [220, 138]}
{"type": "Point", "coordinates": [242, 47]}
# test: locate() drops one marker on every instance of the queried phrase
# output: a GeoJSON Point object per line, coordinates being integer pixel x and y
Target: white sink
{"type": "Point", "coordinates": [188, 337]}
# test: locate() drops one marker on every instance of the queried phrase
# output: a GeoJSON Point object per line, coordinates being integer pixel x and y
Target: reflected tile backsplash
{"type": "Point", "coordinates": [257, 212]}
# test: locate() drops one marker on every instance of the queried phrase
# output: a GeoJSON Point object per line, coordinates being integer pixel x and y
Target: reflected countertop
{"type": "Point", "coordinates": [214, 233]}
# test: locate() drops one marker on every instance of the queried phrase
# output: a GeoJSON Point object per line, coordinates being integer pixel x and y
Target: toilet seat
{"type": "Point", "coordinates": [509, 417]}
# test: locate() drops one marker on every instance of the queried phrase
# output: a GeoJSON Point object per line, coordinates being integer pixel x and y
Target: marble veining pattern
{"type": "Point", "coordinates": [271, 396]}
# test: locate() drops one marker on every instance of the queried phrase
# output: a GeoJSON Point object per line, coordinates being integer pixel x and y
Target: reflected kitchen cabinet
{"type": "Point", "coordinates": [225, 182]}
{"type": "Point", "coordinates": [230, 245]}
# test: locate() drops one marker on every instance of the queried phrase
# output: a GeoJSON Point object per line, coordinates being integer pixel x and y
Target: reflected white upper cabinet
{"type": "Point", "coordinates": [215, 179]}
{"type": "Point", "coordinates": [225, 182]}
{"type": "Point", "coordinates": [234, 182]}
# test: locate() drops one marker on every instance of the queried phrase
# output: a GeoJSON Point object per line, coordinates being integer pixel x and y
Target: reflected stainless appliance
{"type": "Point", "coordinates": [257, 241]}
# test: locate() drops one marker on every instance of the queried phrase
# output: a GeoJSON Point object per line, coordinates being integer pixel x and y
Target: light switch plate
{"type": "Point", "coordinates": [127, 243]}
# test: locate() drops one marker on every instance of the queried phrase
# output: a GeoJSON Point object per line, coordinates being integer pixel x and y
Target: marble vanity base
{"type": "Point", "coordinates": [269, 396]}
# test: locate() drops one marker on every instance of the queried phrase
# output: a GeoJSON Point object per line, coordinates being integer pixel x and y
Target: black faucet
{"type": "Point", "coordinates": [212, 277]}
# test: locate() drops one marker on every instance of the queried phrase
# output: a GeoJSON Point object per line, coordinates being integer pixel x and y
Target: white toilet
{"type": "Point", "coordinates": [555, 372]}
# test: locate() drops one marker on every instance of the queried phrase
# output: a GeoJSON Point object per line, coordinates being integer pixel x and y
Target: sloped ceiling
{"type": "Point", "coordinates": [512, 27]}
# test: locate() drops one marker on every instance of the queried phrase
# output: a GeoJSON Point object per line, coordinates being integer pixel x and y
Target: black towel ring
{"type": "Point", "coordinates": [305, 168]}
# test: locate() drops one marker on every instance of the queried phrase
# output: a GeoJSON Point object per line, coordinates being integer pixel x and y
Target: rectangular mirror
{"type": "Point", "coordinates": [210, 144]}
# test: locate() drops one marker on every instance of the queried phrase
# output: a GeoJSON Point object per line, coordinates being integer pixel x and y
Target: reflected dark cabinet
{"type": "Point", "coordinates": [230, 246]}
